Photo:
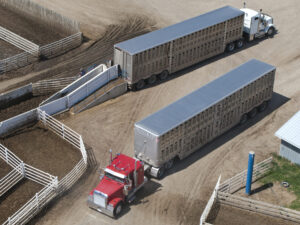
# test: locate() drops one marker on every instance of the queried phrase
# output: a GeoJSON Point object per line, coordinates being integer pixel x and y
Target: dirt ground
{"type": "Point", "coordinates": [16, 197]}
{"type": "Point", "coordinates": [225, 217]}
{"type": "Point", "coordinates": [180, 197]}
{"type": "Point", "coordinates": [4, 168]}
{"type": "Point", "coordinates": [43, 149]}
{"type": "Point", "coordinates": [272, 193]}
{"type": "Point", "coordinates": [21, 106]}
{"type": "Point", "coordinates": [28, 28]}
{"type": "Point", "coordinates": [8, 50]}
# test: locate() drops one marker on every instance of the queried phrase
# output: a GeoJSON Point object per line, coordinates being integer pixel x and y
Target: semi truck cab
{"type": "Point", "coordinates": [257, 24]}
{"type": "Point", "coordinates": [118, 185]}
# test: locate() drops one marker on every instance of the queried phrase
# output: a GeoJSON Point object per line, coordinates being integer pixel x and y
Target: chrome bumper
{"type": "Point", "coordinates": [101, 209]}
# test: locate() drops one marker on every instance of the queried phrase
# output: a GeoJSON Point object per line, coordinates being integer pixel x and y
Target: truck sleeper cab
{"type": "Point", "coordinates": [184, 126]}
{"type": "Point", "coordinates": [118, 185]}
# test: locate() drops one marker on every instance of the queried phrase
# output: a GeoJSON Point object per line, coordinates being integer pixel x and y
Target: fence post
{"type": "Point", "coordinates": [23, 169]}
{"type": "Point", "coordinates": [6, 154]}
{"type": "Point", "coordinates": [63, 131]}
{"type": "Point", "coordinates": [250, 172]}
{"type": "Point", "coordinates": [37, 201]}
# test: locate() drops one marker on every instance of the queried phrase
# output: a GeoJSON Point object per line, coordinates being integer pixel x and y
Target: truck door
{"type": "Point", "coordinates": [254, 25]}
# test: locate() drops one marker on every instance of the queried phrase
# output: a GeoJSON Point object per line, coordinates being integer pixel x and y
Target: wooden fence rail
{"type": "Point", "coordinates": [258, 206]}
{"type": "Point", "coordinates": [61, 46]}
{"type": "Point", "coordinates": [49, 86]}
{"type": "Point", "coordinates": [239, 181]}
{"type": "Point", "coordinates": [17, 61]}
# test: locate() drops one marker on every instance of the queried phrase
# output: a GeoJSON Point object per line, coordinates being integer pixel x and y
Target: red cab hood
{"type": "Point", "coordinates": [109, 186]}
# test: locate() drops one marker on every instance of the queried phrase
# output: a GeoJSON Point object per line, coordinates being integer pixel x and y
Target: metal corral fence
{"type": "Point", "coordinates": [17, 61]}
{"type": "Point", "coordinates": [210, 203]}
{"type": "Point", "coordinates": [22, 170]}
{"type": "Point", "coordinates": [239, 181]}
{"type": "Point", "coordinates": [14, 176]}
{"type": "Point", "coordinates": [73, 138]}
{"type": "Point", "coordinates": [224, 195]}
{"type": "Point", "coordinates": [259, 207]}
{"type": "Point", "coordinates": [49, 86]}
{"type": "Point", "coordinates": [52, 19]}
{"type": "Point", "coordinates": [19, 42]}
{"type": "Point", "coordinates": [53, 187]}
{"type": "Point", "coordinates": [61, 46]}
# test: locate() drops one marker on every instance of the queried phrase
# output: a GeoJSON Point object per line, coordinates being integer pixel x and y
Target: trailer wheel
{"type": "Point", "coordinates": [118, 209]}
{"type": "Point", "coordinates": [230, 47]}
{"type": "Point", "coordinates": [271, 31]}
{"type": "Point", "coordinates": [244, 119]}
{"type": "Point", "coordinates": [164, 74]}
{"type": "Point", "coordinates": [263, 106]}
{"type": "Point", "coordinates": [161, 172]}
{"type": "Point", "coordinates": [239, 43]}
{"type": "Point", "coordinates": [152, 79]}
{"type": "Point", "coordinates": [169, 164]}
{"type": "Point", "coordinates": [253, 113]}
{"type": "Point", "coordinates": [140, 84]}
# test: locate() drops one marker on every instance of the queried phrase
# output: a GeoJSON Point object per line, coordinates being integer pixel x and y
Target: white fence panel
{"type": "Point", "coordinates": [19, 41]}
{"type": "Point", "coordinates": [11, 179]}
{"type": "Point", "coordinates": [210, 203]}
{"type": "Point", "coordinates": [92, 85]}
{"type": "Point", "coordinates": [61, 46]}
{"type": "Point", "coordinates": [13, 123]}
{"type": "Point", "coordinates": [73, 86]}
{"type": "Point", "coordinates": [239, 181]}
{"type": "Point", "coordinates": [15, 94]}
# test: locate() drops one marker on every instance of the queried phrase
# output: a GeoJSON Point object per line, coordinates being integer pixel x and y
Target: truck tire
{"type": "Point", "coordinates": [161, 172]}
{"type": "Point", "coordinates": [244, 119]}
{"type": "Point", "coordinates": [230, 47]}
{"type": "Point", "coordinates": [270, 32]}
{"type": "Point", "coordinates": [263, 106]}
{"type": "Point", "coordinates": [140, 84]}
{"type": "Point", "coordinates": [118, 209]}
{"type": "Point", "coordinates": [253, 113]}
{"type": "Point", "coordinates": [239, 43]}
{"type": "Point", "coordinates": [164, 74]}
{"type": "Point", "coordinates": [169, 164]}
{"type": "Point", "coordinates": [152, 79]}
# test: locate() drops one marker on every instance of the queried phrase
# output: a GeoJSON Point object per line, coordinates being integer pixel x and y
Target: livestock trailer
{"type": "Point", "coordinates": [196, 119]}
{"type": "Point", "coordinates": [165, 51]}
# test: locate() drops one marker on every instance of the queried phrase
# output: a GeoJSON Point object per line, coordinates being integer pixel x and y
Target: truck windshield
{"type": "Point", "coordinates": [113, 177]}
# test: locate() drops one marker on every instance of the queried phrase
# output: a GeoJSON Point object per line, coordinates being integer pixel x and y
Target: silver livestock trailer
{"type": "Point", "coordinates": [194, 120]}
{"type": "Point", "coordinates": [165, 51]}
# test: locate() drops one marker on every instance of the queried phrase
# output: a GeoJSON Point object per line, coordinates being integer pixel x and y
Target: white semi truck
{"type": "Point", "coordinates": [155, 55]}
{"type": "Point", "coordinates": [257, 24]}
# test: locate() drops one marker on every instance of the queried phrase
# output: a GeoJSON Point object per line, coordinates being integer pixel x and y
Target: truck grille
{"type": "Point", "coordinates": [99, 199]}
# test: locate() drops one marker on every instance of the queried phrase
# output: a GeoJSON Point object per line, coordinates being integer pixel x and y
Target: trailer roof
{"type": "Point", "coordinates": [187, 107]}
{"type": "Point", "coordinates": [164, 35]}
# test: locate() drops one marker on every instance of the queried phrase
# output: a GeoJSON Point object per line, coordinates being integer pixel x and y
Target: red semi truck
{"type": "Point", "coordinates": [118, 185]}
